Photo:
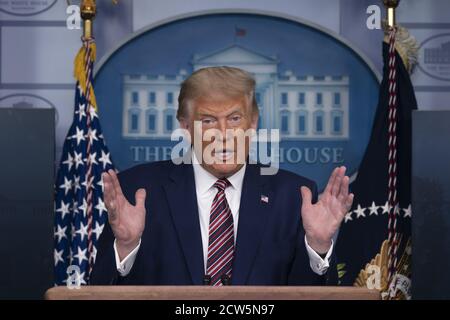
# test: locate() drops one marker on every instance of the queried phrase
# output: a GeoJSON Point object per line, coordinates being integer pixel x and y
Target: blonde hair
{"type": "Point", "coordinates": [216, 83]}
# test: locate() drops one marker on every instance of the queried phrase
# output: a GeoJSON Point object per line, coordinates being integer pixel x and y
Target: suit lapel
{"type": "Point", "coordinates": [182, 199]}
{"type": "Point", "coordinates": [253, 213]}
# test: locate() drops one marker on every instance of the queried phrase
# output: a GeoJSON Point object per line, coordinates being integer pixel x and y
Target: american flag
{"type": "Point", "coordinates": [80, 213]}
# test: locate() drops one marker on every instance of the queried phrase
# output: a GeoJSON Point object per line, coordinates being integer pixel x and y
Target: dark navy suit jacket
{"type": "Point", "coordinates": [270, 247]}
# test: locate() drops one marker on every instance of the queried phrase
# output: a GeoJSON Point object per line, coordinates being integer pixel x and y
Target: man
{"type": "Point", "coordinates": [218, 220]}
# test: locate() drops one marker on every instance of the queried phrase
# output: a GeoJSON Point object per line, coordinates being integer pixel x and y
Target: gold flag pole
{"type": "Point", "coordinates": [87, 54]}
{"type": "Point", "coordinates": [88, 11]}
{"type": "Point", "coordinates": [391, 5]}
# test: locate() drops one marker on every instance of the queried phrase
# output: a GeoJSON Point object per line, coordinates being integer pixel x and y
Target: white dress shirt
{"type": "Point", "coordinates": [205, 190]}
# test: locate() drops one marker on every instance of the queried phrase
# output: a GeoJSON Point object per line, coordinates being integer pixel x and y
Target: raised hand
{"type": "Point", "coordinates": [127, 221]}
{"type": "Point", "coordinates": [321, 220]}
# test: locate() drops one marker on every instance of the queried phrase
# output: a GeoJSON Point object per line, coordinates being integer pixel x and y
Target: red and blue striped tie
{"type": "Point", "coordinates": [221, 238]}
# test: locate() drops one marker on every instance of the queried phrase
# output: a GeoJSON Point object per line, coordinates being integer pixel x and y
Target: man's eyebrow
{"type": "Point", "coordinates": [234, 113]}
{"type": "Point", "coordinates": [236, 110]}
{"type": "Point", "coordinates": [206, 115]}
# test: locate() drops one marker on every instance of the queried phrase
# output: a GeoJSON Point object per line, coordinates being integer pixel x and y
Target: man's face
{"type": "Point", "coordinates": [225, 154]}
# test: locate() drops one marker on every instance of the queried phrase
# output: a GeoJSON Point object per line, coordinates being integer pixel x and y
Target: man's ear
{"type": "Point", "coordinates": [184, 123]}
{"type": "Point", "coordinates": [255, 117]}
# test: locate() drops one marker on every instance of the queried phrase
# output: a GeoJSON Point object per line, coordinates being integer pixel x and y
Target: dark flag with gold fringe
{"type": "Point", "coordinates": [374, 243]}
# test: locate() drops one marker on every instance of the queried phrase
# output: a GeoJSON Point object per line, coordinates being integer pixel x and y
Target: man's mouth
{"type": "Point", "coordinates": [224, 154]}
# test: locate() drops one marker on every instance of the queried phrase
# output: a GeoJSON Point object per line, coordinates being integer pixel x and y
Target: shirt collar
{"type": "Point", "coordinates": [204, 180]}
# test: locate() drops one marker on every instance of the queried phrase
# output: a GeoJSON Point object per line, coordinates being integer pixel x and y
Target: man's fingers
{"type": "Point", "coordinates": [337, 181]}
{"type": "Point", "coordinates": [306, 196]}
{"type": "Point", "coordinates": [331, 181]}
{"type": "Point", "coordinates": [349, 201]}
{"type": "Point", "coordinates": [109, 196]}
{"type": "Point", "coordinates": [140, 198]}
{"type": "Point", "coordinates": [343, 191]}
{"type": "Point", "coordinates": [116, 183]}
{"type": "Point", "coordinates": [107, 187]}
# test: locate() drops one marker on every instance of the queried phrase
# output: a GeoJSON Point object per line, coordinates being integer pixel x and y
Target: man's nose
{"type": "Point", "coordinates": [225, 131]}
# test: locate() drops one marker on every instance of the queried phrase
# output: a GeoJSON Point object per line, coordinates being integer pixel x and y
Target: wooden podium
{"type": "Point", "coordinates": [210, 293]}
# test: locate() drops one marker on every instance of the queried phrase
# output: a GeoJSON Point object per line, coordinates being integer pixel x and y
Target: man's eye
{"type": "Point", "coordinates": [207, 121]}
{"type": "Point", "coordinates": [235, 118]}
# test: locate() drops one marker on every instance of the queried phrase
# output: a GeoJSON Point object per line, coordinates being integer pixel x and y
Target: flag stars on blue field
{"type": "Point", "coordinates": [92, 136]}
{"type": "Point", "coordinates": [76, 183]}
{"type": "Point", "coordinates": [397, 210]}
{"type": "Point", "coordinates": [75, 207]}
{"type": "Point", "coordinates": [100, 183]}
{"type": "Point", "coordinates": [373, 209]}
{"type": "Point", "coordinates": [100, 207]}
{"type": "Point", "coordinates": [82, 231]}
{"type": "Point", "coordinates": [98, 229]}
{"type": "Point", "coordinates": [82, 276]}
{"type": "Point", "coordinates": [78, 160]}
{"type": "Point", "coordinates": [63, 209]}
{"type": "Point", "coordinates": [407, 212]}
{"type": "Point", "coordinates": [94, 253]}
{"type": "Point", "coordinates": [92, 158]}
{"type": "Point", "coordinates": [67, 186]}
{"type": "Point", "coordinates": [69, 162]}
{"type": "Point", "coordinates": [85, 157]}
{"type": "Point", "coordinates": [348, 217]}
{"type": "Point", "coordinates": [81, 111]}
{"type": "Point", "coordinates": [360, 212]}
{"type": "Point", "coordinates": [81, 255]}
{"type": "Point", "coordinates": [89, 184]}
{"type": "Point", "coordinates": [57, 256]}
{"type": "Point", "coordinates": [83, 207]}
{"type": "Point", "coordinates": [71, 278]}
{"type": "Point", "coordinates": [386, 207]}
{"type": "Point", "coordinates": [105, 159]}
{"type": "Point", "coordinates": [93, 113]}
{"type": "Point", "coordinates": [79, 135]}
{"type": "Point", "coordinates": [70, 256]}
{"type": "Point", "coordinates": [60, 233]}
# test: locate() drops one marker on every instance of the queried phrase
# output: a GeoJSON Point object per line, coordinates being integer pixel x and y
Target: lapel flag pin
{"type": "Point", "coordinates": [264, 199]}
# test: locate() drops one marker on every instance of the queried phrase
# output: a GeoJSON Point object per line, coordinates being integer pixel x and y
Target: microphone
{"type": "Point", "coordinates": [206, 280]}
{"type": "Point", "coordinates": [226, 280]}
